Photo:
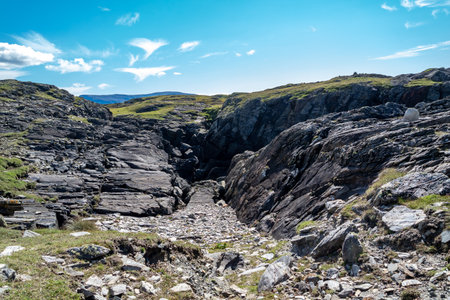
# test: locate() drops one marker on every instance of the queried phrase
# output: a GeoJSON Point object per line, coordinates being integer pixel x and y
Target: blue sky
{"type": "Point", "coordinates": [212, 47]}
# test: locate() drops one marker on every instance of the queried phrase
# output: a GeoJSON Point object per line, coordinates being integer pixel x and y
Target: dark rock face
{"type": "Point", "coordinates": [86, 160]}
{"type": "Point", "coordinates": [334, 157]}
{"type": "Point", "coordinates": [351, 249]}
{"type": "Point", "coordinates": [251, 124]}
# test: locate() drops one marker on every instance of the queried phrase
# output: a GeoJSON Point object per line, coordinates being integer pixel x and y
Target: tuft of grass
{"type": "Point", "coordinates": [410, 294]}
{"type": "Point", "coordinates": [81, 225]}
{"type": "Point", "coordinates": [79, 119]}
{"type": "Point", "coordinates": [387, 175]}
{"type": "Point", "coordinates": [220, 246]}
{"type": "Point", "coordinates": [12, 170]}
{"type": "Point", "coordinates": [427, 202]}
{"type": "Point", "coordinates": [305, 224]}
{"type": "Point", "coordinates": [421, 82]}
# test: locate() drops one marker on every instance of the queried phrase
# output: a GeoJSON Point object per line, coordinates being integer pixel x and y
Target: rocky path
{"type": "Point", "coordinates": [201, 222]}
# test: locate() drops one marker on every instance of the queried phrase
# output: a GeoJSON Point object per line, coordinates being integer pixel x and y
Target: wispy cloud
{"type": "Point", "coordinates": [77, 88]}
{"type": "Point", "coordinates": [103, 86]}
{"type": "Point", "coordinates": [438, 11]}
{"type": "Point", "coordinates": [104, 8]}
{"type": "Point", "coordinates": [76, 65]}
{"type": "Point", "coordinates": [11, 74]}
{"type": "Point", "coordinates": [37, 42]}
{"type": "Point", "coordinates": [141, 73]}
{"type": "Point", "coordinates": [409, 25]}
{"type": "Point", "coordinates": [177, 73]}
{"type": "Point", "coordinates": [213, 54]}
{"type": "Point", "coordinates": [133, 59]}
{"type": "Point", "coordinates": [238, 54]}
{"type": "Point", "coordinates": [312, 28]}
{"type": "Point", "coordinates": [251, 52]}
{"type": "Point", "coordinates": [409, 4]}
{"type": "Point", "coordinates": [85, 51]}
{"type": "Point", "coordinates": [13, 56]}
{"type": "Point", "coordinates": [147, 45]}
{"type": "Point", "coordinates": [414, 51]}
{"type": "Point", "coordinates": [188, 46]}
{"type": "Point", "coordinates": [387, 7]}
{"type": "Point", "coordinates": [128, 19]}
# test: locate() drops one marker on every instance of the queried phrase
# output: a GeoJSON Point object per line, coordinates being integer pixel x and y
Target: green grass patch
{"type": "Point", "coordinates": [304, 224]}
{"type": "Point", "coordinates": [79, 119]}
{"type": "Point", "coordinates": [421, 82]}
{"type": "Point", "coordinates": [299, 91]}
{"type": "Point", "coordinates": [160, 107]}
{"type": "Point", "coordinates": [427, 202]}
{"type": "Point", "coordinates": [219, 247]}
{"type": "Point", "coordinates": [12, 171]}
{"type": "Point", "coordinates": [387, 175]}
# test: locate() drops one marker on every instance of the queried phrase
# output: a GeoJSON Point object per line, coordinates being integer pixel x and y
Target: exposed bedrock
{"type": "Point", "coordinates": [251, 121]}
{"type": "Point", "coordinates": [334, 157]}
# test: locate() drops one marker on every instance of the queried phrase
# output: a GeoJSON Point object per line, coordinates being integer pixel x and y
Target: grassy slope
{"type": "Point", "coordinates": [46, 284]}
{"type": "Point", "coordinates": [158, 107]}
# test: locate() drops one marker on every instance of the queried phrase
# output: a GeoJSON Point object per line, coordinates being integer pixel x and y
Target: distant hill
{"type": "Point", "coordinates": [119, 98]}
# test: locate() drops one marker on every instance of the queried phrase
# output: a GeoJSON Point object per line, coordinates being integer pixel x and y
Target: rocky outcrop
{"type": "Point", "coordinates": [85, 160]}
{"type": "Point", "coordinates": [251, 121]}
{"type": "Point", "coordinates": [334, 157]}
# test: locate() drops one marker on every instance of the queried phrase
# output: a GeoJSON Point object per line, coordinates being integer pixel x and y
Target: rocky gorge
{"type": "Point", "coordinates": [329, 190]}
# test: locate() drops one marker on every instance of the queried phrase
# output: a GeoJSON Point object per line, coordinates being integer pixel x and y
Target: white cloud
{"type": "Point", "coordinates": [238, 54]}
{"type": "Point", "coordinates": [103, 86]}
{"type": "Point", "coordinates": [251, 52]}
{"type": "Point", "coordinates": [414, 51]}
{"type": "Point", "coordinates": [409, 4]}
{"type": "Point", "coordinates": [141, 73]}
{"type": "Point", "coordinates": [409, 25]}
{"type": "Point", "coordinates": [76, 65]}
{"type": "Point", "coordinates": [188, 46]}
{"type": "Point", "coordinates": [85, 51]}
{"type": "Point", "coordinates": [387, 7]}
{"type": "Point", "coordinates": [133, 59]}
{"type": "Point", "coordinates": [104, 8]}
{"type": "Point", "coordinates": [213, 54]}
{"type": "Point", "coordinates": [77, 88]}
{"type": "Point", "coordinates": [128, 19]}
{"type": "Point", "coordinates": [14, 56]}
{"type": "Point", "coordinates": [313, 29]}
{"type": "Point", "coordinates": [37, 42]}
{"type": "Point", "coordinates": [177, 73]}
{"type": "Point", "coordinates": [435, 12]}
{"type": "Point", "coordinates": [11, 74]}
{"type": "Point", "coordinates": [147, 45]}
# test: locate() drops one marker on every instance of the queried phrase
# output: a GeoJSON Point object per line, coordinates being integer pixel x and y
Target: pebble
{"type": "Point", "coordinates": [182, 287]}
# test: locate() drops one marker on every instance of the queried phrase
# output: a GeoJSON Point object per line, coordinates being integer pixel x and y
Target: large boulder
{"type": "Point", "coordinates": [351, 249]}
{"type": "Point", "coordinates": [89, 252]}
{"type": "Point", "coordinates": [411, 115]}
{"type": "Point", "coordinates": [333, 240]}
{"type": "Point", "coordinates": [303, 244]}
{"type": "Point", "coordinates": [228, 260]}
{"type": "Point", "coordinates": [275, 273]}
{"type": "Point", "coordinates": [401, 217]}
